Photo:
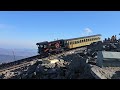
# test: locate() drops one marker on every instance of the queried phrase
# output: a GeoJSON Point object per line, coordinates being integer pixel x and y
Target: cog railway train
{"type": "Point", "coordinates": [54, 47]}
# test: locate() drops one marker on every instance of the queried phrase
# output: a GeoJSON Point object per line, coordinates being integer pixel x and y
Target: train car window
{"type": "Point", "coordinates": [82, 40]}
{"type": "Point", "coordinates": [75, 42]}
{"type": "Point", "coordinates": [78, 41]}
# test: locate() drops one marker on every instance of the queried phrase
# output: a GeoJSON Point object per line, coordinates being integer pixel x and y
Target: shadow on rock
{"type": "Point", "coordinates": [116, 75]}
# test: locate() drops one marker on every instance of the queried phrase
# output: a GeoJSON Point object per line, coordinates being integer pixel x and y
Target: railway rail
{"type": "Point", "coordinates": [3, 71]}
{"type": "Point", "coordinates": [27, 61]}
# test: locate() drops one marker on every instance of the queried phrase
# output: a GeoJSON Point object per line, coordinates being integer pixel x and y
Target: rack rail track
{"type": "Point", "coordinates": [27, 61]}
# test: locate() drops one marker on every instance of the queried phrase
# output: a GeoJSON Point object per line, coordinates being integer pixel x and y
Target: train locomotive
{"type": "Point", "coordinates": [48, 48]}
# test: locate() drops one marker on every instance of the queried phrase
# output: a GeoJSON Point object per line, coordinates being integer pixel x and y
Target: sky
{"type": "Point", "coordinates": [23, 29]}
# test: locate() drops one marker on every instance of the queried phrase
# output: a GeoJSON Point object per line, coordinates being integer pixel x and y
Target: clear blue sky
{"type": "Point", "coordinates": [23, 29]}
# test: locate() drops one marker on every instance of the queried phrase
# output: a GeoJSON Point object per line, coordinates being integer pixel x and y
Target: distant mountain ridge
{"type": "Point", "coordinates": [7, 55]}
{"type": "Point", "coordinates": [10, 58]}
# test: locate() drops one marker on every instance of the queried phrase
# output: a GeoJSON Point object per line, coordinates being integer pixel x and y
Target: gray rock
{"type": "Point", "coordinates": [40, 69]}
{"type": "Point", "coordinates": [50, 65]}
{"type": "Point", "coordinates": [51, 71]}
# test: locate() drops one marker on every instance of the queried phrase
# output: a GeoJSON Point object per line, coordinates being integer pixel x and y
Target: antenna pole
{"type": "Point", "coordinates": [13, 55]}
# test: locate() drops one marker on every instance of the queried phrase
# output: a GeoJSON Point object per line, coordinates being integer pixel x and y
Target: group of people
{"type": "Point", "coordinates": [112, 39]}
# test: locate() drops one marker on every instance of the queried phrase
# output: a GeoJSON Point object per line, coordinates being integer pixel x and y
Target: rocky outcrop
{"type": "Point", "coordinates": [68, 67]}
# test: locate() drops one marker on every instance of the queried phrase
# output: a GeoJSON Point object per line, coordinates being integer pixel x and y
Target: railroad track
{"type": "Point", "coordinates": [27, 61]}
{"type": "Point", "coordinates": [12, 68]}
{"type": "Point", "coordinates": [7, 65]}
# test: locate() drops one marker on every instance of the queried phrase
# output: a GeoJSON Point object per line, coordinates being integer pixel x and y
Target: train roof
{"type": "Point", "coordinates": [84, 37]}
{"type": "Point", "coordinates": [42, 42]}
{"type": "Point", "coordinates": [68, 39]}
{"type": "Point", "coordinates": [45, 42]}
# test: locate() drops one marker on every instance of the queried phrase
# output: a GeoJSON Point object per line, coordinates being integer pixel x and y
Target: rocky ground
{"type": "Point", "coordinates": [68, 67]}
{"type": "Point", "coordinates": [73, 65]}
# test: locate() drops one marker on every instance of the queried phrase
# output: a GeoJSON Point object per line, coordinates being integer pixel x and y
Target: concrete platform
{"type": "Point", "coordinates": [107, 58]}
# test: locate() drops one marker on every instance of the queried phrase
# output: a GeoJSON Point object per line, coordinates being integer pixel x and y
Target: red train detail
{"type": "Point", "coordinates": [50, 47]}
